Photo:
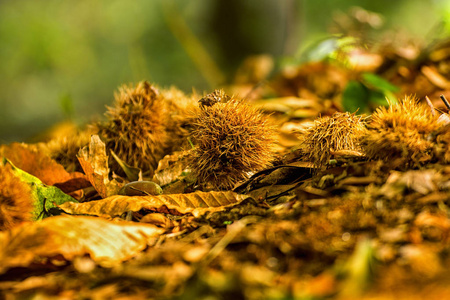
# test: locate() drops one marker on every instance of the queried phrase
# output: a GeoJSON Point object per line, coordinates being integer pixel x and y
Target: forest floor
{"type": "Point", "coordinates": [339, 213]}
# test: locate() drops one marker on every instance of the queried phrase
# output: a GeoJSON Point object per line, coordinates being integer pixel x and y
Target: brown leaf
{"type": "Point", "coordinates": [94, 161]}
{"type": "Point", "coordinates": [27, 158]}
{"type": "Point", "coordinates": [420, 181]}
{"type": "Point", "coordinates": [287, 104]}
{"type": "Point", "coordinates": [170, 168]}
{"type": "Point", "coordinates": [106, 242]}
{"type": "Point", "coordinates": [74, 184]}
{"type": "Point", "coordinates": [435, 77]}
{"type": "Point", "coordinates": [195, 203]}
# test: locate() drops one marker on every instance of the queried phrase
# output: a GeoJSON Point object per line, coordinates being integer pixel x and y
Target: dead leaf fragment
{"type": "Point", "coordinates": [171, 167]}
{"type": "Point", "coordinates": [106, 242]}
{"type": "Point", "coordinates": [94, 161]}
{"type": "Point", "coordinates": [195, 203]}
{"type": "Point", "coordinates": [420, 181]}
{"type": "Point", "coordinates": [435, 77]}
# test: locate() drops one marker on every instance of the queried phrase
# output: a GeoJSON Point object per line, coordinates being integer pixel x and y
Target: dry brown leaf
{"type": "Point", "coordinates": [439, 225]}
{"type": "Point", "coordinates": [287, 104]}
{"type": "Point", "coordinates": [74, 184]}
{"type": "Point", "coordinates": [195, 203]}
{"type": "Point", "coordinates": [435, 77]}
{"type": "Point", "coordinates": [420, 181]}
{"type": "Point", "coordinates": [94, 161]}
{"type": "Point", "coordinates": [171, 167]}
{"type": "Point", "coordinates": [28, 159]}
{"type": "Point", "coordinates": [106, 242]}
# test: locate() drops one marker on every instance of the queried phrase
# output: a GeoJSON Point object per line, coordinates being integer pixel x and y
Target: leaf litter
{"type": "Point", "coordinates": [341, 206]}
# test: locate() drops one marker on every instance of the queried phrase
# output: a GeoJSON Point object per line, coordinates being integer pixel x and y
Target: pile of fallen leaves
{"type": "Point", "coordinates": [285, 194]}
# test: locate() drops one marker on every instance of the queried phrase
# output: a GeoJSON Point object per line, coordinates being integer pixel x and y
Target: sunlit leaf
{"type": "Point", "coordinates": [378, 83]}
{"type": "Point", "coordinates": [333, 47]}
{"type": "Point", "coordinates": [94, 161]}
{"type": "Point", "coordinates": [195, 203]}
{"type": "Point", "coordinates": [106, 242]}
{"type": "Point", "coordinates": [286, 104]}
{"type": "Point", "coordinates": [45, 197]}
{"type": "Point", "coordinates": [27, 158]}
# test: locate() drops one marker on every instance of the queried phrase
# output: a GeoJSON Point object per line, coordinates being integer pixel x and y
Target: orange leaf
{"type": "Point", "coordinates": [28, 159]}
{"type": "Point", "coordinates": [195, 203]}
{"type": "Point", "coordinates": [106, 242]}
{"type": "Point", "coordinates": [94, 161]}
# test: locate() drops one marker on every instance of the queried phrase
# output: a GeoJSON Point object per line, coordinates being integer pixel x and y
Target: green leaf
{"type": "Point", "coordinates": [331, 47]}
{"type": "Point", "coordinates": [359, 269]}
{"type": "Point", "coordinates": [378, 98]}
{"type": "Point", "coordinates": [377, 83]}
{"type": "Point", "coordinates": [46, 198]}
{"type": "Point", "coordinates": [355, 97]}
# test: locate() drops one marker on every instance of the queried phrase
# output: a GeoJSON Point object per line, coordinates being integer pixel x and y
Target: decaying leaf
{"type": "Point", "coordinates": [44, 197]}
{"type": "Point", "coordinates": [420, 181]}
{"type": "Point", "coordinates": [171, 167]}
{"type": "Point", "coordinates": [106, 242]}
{"type": "Point", "coordinates": [94, 161]}
{"type": "Point", "coordinates": [195, 203]}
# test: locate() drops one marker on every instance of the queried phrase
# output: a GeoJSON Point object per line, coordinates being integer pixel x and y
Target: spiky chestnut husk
{"type": "Point", "coordinates": [231, 139]}
{"type": "Point", "coordinates": [341, 131]}
{"type": "Point", "coordinates": [181, 110]}
{"type": "Point", "coordinates": [136, 129]}
{"type": "Point", "coordinates": [16, 202]}
{"type": "Point", "coordinates": [64, 149]}
{"type": "Point", "coordinates": [400, 131]}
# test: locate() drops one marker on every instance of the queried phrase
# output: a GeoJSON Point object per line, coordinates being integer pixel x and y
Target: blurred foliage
{"type": "Point", "coordinates": [370, 90]}
{"type": "Point", "coordinates": [64, 59]}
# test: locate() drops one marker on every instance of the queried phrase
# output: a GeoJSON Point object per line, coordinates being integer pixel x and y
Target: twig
{"type": "Point", "coordinates": [445, 102]}
{"type": "Point", "coordinates": [433, 112]}
{"type": "Point", "coordinates": [233, 230]}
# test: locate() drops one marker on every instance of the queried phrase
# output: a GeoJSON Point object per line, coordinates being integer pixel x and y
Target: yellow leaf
{"type": "Point", "coordinates": [195, 203]}
{"type": "Point", "coordinates": [106, 242]}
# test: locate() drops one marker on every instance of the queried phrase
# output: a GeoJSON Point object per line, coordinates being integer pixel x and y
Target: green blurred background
{"type": "Point", "coordinates": [63, 60]}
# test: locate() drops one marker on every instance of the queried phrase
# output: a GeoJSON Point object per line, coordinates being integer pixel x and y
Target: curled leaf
{"type": "Point", "coordinates": [94, 161]}
{"type": "Point", "coordinates": [133, 174]}
{"type": "Point", "coordinates": [195, 203]}
{"type": "Point", "coordinates": [141, 188]}
{"type": "Point", "coordinates": [171, 167]}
